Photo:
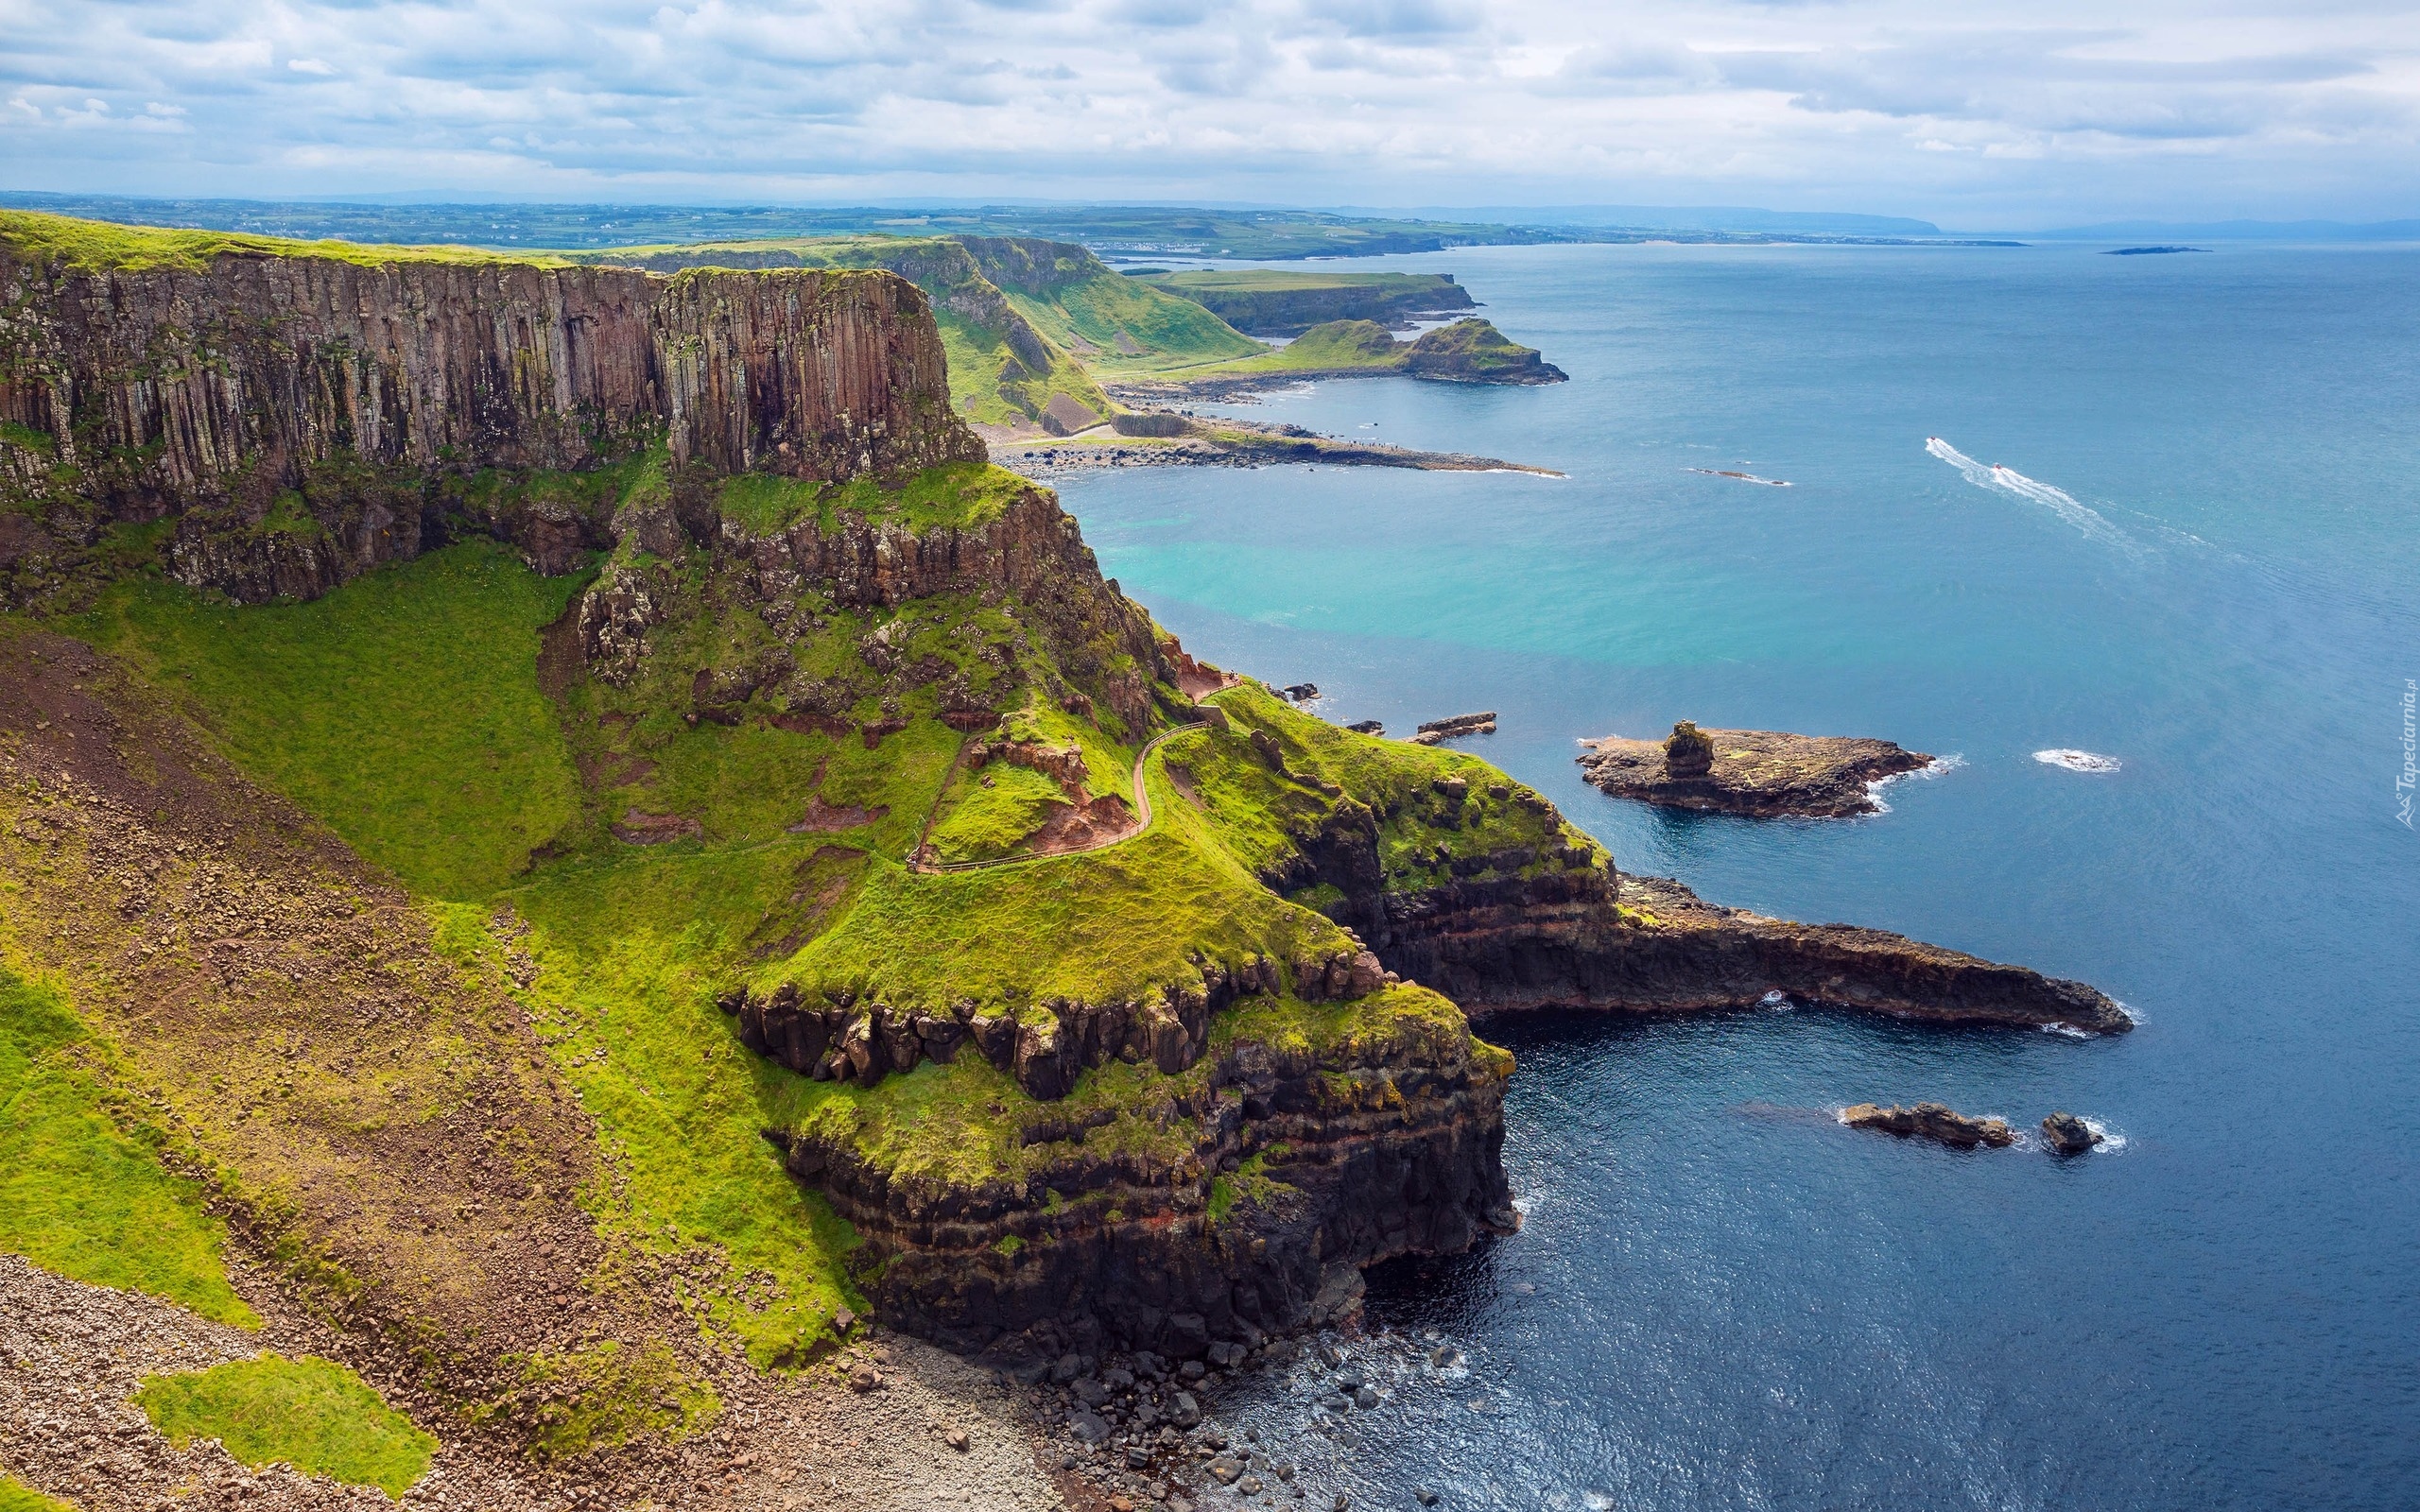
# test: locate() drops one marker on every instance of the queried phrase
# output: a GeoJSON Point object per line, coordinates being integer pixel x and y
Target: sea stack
{"type": "Point", "coordinates": [1688, 753]}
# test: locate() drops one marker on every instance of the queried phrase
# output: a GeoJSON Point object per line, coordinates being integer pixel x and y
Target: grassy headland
{"type": "Point", "coordinates": [1282, 301]}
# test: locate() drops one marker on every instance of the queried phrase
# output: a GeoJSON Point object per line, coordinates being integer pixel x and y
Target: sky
{"type": "Point", "coordinates": [2015, 115]}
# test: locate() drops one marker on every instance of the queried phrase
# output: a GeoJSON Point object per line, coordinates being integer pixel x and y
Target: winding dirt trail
{"type": "Point", "coordinates": [1142, 809]}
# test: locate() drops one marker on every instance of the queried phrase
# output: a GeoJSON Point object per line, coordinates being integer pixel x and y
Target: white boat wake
{"type": "Point", "coordinates": [2008, 480]}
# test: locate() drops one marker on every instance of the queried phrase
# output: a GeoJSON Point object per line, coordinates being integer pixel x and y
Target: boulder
{"type": "Point", "coordinates": [2067, 1134]}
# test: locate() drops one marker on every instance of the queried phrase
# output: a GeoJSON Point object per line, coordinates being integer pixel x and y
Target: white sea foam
{"type": "Point", "coordinates": [1935, 767]}
{"type": "Point", "coordinates": [2008, 480]}
{"type": "Point", "coordinates": [2110, 1140]}
{"type": "Point", "coordinates": [2077, 761]}
{"type": "Point", "coordinates": [1777, 1000]}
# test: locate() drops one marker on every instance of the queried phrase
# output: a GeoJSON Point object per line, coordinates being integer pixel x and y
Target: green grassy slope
{"type": "Point", "coordinates": [312, 1414]}
{"type": "Point", "coordinates": [1468, 351]}
{"type": "Point", "coordinates": [79, 1194]}
{"type": "Point", "coordinates": [1119, 326]}
{"type": "Point", "coordinates": [407, 711]}
{"type": "Point", "coordinates": [1425, 837]}
{"type": "Point", "coordinates": [432, 666]}
{"type": "Point", "coordinates": [405, 706]}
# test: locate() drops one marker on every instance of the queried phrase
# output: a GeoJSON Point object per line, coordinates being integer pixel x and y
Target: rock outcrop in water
{"type": "Point", "coordinates": [1934, 1122]}
{"type": "Point", "coordinates": [2070, 1134]}
{"type": "Point", "coordinates": [1764, 773]}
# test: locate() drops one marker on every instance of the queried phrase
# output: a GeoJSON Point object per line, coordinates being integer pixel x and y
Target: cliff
{"type": "Point", "coordinates": [293, 410]}
{"type": "Point", "coordinates": [1472, 351]}
{"type": "Point", "coordinates": [1230, 1203]}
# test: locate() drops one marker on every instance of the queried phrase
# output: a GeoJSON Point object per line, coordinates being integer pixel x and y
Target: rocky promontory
{"type": "Point", "coordinates": [1649, 945]}
{"type": "Point", "coordinates": [1470, 350]}
{"type": "Point", "coordinates": [1764, 773]}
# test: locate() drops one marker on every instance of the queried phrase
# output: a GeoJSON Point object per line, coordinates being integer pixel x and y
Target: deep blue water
{"type": "Point", "coordinates": [1721, 1298]}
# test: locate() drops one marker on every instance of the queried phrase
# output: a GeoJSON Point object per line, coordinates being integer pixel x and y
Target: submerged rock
{"type": "Point", "coordinates": [2070, 1134]}
{"type": "Point", "coordinates": [1931, 1121]}
{"type": "Point", "coordinates": [1765, 773]}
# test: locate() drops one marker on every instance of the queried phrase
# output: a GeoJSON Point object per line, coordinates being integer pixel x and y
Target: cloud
{"type": "Point", "coordinates": [1902, 106]}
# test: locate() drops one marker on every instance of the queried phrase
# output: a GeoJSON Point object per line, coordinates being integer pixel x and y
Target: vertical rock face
{"type": "Point", "coordinates": [172, 381]}
{"type": "Point", "coordinates": [807, 373]}
{"type": "Point", "coordinates": [1306, 1166]}
{"type": "Point", "coordinates": [206, 390]}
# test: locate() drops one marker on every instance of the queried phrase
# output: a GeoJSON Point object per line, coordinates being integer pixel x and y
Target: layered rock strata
{"type": "Point", "coordinates": [1305, 1166]}
{"type": "Point", "coordinates": [836, 1036]}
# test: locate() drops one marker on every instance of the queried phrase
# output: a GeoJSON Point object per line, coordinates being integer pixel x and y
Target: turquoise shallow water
{"type": "Point", "coordinates": [1721, 1298]}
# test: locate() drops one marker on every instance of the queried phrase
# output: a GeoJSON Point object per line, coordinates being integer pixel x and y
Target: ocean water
{"type": "Point", "coordinates": [2202, 561]}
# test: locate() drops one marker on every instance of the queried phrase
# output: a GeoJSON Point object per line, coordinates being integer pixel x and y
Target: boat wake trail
{"type": "Point", "coordinates": [2008, 480]}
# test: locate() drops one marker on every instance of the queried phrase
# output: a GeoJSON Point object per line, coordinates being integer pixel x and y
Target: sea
{"type": "Point", "coordinates": [2162, 510]}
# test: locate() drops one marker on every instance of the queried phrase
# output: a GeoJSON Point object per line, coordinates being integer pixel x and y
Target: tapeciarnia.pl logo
{"type": "Point", "coordinates": [2405, 779]}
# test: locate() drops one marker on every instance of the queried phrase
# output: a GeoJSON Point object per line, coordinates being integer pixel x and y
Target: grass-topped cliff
{"type": "Point", "coordinates": [1285, 303]}
{"type": "Point", "coordinates": [1469, 350]}
{"type": "Point", "coordinates": [498, 894]}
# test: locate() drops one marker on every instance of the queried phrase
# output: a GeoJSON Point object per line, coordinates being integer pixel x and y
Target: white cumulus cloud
{"type": "Point", "coordinates": [1966, 112]}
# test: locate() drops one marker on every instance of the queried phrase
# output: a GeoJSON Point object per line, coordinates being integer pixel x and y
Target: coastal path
{"type": "Point", "coordinates": [916, 861]}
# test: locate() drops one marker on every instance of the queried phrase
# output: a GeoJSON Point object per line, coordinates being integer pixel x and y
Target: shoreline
{"type": "Point", "coordinates": [1177, 439]}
